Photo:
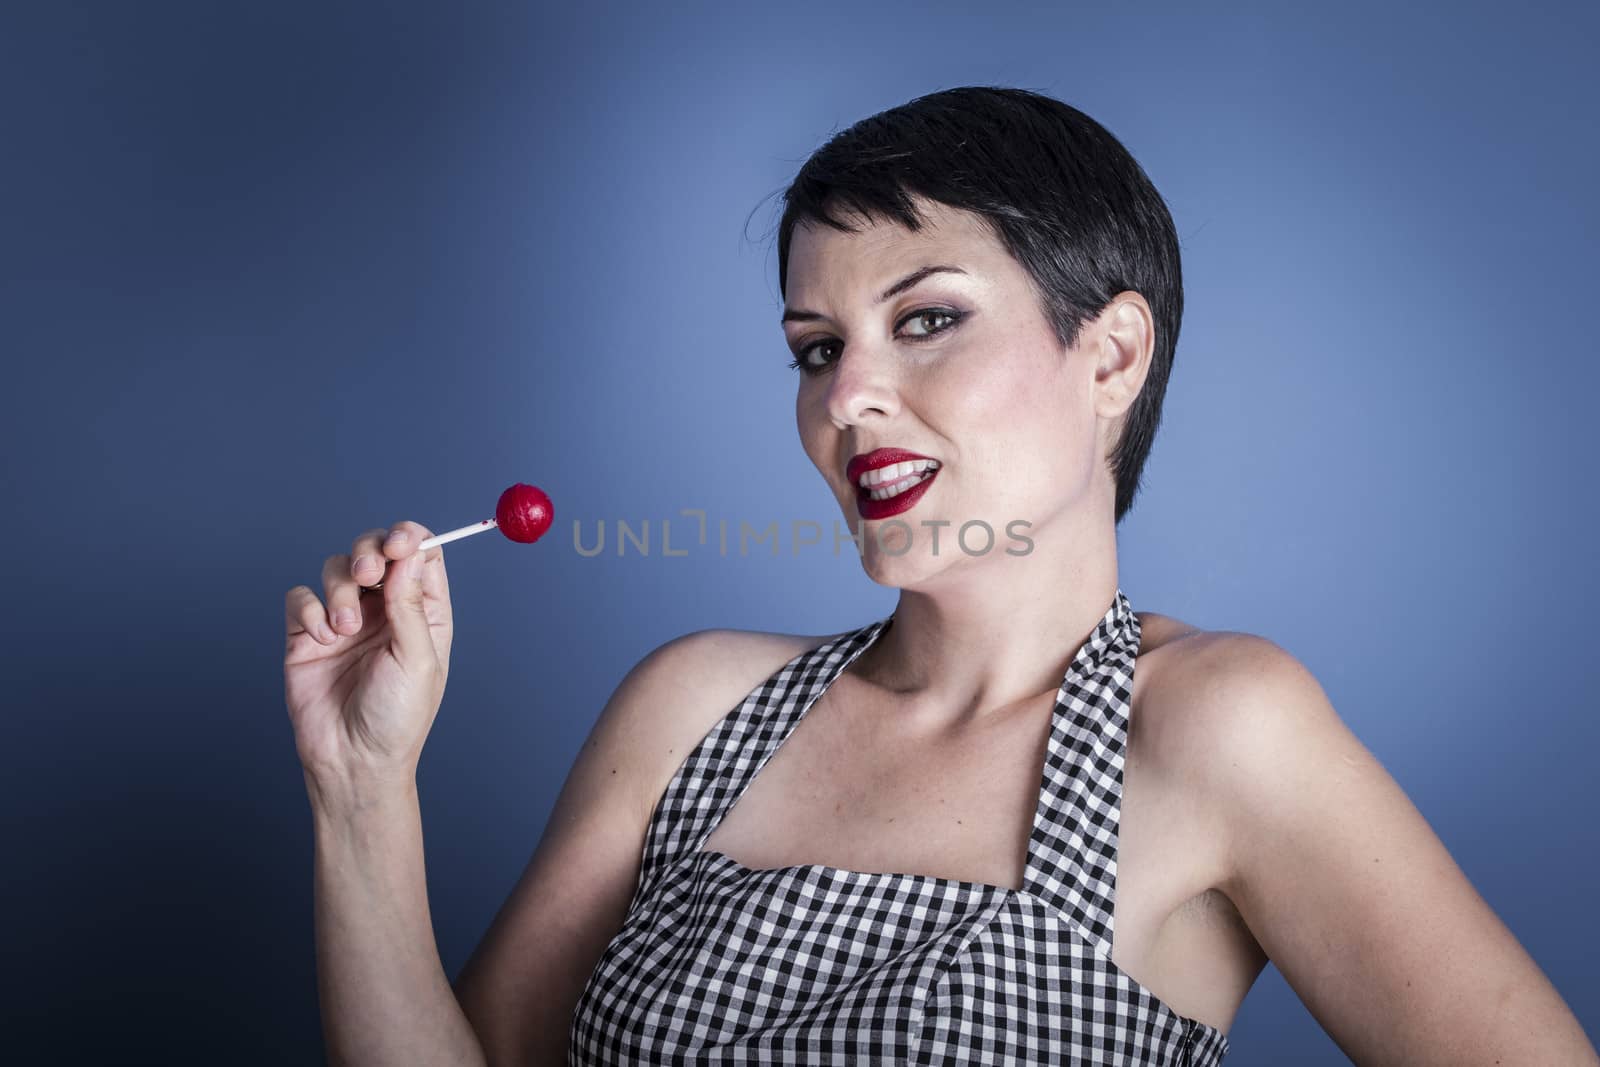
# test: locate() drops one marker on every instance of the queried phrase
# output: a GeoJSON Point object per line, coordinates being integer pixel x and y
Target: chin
{"type": "Point", "coordinates": [913, 568]}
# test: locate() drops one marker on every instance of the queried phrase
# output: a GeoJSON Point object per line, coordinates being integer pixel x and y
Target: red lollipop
{"type": "Point", "coordinates": [523, 514]}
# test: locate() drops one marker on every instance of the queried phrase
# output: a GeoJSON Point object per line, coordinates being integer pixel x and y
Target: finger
{"type": "Point", "coordinates": [342, 593]}
{"type": "Point", "coordinates": [435, 585]}
{"type": "Point", "coordinates": [303, 613]}
{"type": "Point", "coordinates": [348, 575]}
{"type": "Point", "coordinates": [403, 591]}
{"type": "Point", "coordinates": [367, 558]}
{"type": "Point", "coordinates": [403, 538]}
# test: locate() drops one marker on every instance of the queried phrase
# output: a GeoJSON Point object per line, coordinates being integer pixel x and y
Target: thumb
{"type": "Point", "coordinates": [402, 600]}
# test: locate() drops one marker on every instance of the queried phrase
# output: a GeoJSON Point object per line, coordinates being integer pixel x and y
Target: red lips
{"type": "Point", "coordinates": [878, 457]}
{"type": "Point", "coordinates": [869, 508]}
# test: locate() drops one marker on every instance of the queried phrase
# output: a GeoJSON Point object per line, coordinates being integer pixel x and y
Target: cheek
{"type": "Point", "coordinates": [805, 416]}
{"type": "Point", "coordinates": [812, 423]}
{"type": "Point", "coordinates": [1022, 432]}
{"type": "Point", "coordinates": [1007, 404]}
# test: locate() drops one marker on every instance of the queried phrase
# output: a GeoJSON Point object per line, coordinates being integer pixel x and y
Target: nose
{"type": "Point", "coordinates": [861, 387]}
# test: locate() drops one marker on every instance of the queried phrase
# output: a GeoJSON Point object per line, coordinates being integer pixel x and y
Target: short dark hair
{"type": "Point", "coordinates": [1061, 194]}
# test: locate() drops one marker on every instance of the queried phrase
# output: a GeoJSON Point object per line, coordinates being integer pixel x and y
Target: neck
{"type": "Point", "coordinates": [996, 630]}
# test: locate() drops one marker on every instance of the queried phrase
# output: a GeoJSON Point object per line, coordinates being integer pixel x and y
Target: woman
{"type": "Point", "coordinates": [1016, 821]}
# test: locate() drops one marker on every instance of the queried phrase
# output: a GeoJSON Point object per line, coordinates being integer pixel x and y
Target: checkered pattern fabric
{"type": "Point", "coordinates": [718, 963]}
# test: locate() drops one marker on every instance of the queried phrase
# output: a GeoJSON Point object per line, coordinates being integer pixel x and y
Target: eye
{"type": "Point", "coordinates": [806, 360]}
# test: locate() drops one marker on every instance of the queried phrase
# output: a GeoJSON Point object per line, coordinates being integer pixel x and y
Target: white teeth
{"type": "Point", "coordinates": [898, 478]}
{"type": "Point", "coordinates": [895, 471]}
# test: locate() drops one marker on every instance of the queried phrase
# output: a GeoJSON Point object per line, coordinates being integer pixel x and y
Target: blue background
{"type": "Point", "coordinates": [275, 274]}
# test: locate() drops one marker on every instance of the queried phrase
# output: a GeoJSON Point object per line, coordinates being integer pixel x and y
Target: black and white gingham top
{"type": "Point", "coordinates": [717, 963]}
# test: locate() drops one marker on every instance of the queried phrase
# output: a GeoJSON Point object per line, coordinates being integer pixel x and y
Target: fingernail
{"type": "Point", "coordinates": [324, 633]}
{"type": "Point", "coordinates": [414, 565]}
{"type": "Point", "coordinates": [362, 564]}
{"type": "Point", "coordinates": [346, 617]}
{"type": "Point", "coordinates": [397, 537]}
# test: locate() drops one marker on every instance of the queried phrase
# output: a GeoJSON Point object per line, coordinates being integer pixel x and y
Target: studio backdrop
{"type": "Point", "coordinates": [277, 274]}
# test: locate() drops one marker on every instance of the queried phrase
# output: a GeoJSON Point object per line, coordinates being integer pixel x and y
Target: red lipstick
{"type": "Point", "coordinates": [869, 508]}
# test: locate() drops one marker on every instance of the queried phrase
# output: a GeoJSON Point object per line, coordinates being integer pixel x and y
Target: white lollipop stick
{"type": "Point", "coordinates": [456, 535]}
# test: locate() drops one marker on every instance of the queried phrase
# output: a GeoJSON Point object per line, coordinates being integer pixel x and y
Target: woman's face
{"type": "Point", "coordinates": [958, 368]}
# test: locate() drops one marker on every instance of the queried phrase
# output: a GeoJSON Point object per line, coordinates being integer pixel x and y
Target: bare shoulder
{"type": "Point", "coordinates": [1221, 712]}
{"type": "Point", "coordinates": [1157, 631]}
{"type": "Point", "coordinates": [523, 982]}
{"type": "Point", "coordinates": [1205, 691]}
{"type": "Point", "coordinates": [1338, 876]}
{"type": "Point", "coordinates": [682, 689]}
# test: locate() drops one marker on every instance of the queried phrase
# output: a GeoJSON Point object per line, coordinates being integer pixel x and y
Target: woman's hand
{"type": "Point", "coordinates": [362, 694]}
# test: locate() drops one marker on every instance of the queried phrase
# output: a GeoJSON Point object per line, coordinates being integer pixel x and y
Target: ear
{"type": "Point", "coordinates": [1127, 341]}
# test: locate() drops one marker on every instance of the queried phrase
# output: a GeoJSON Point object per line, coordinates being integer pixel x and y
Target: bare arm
{"type": "Point", "coordinates": [1349, 891]}
{"type": "Point", "coordinates": [385, 997]}
{"type": "Point", "coordinates": [522, 984]}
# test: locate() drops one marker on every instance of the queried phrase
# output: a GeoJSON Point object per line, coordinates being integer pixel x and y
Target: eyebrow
{"type": "Point", "coordinates": [798, 315]}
